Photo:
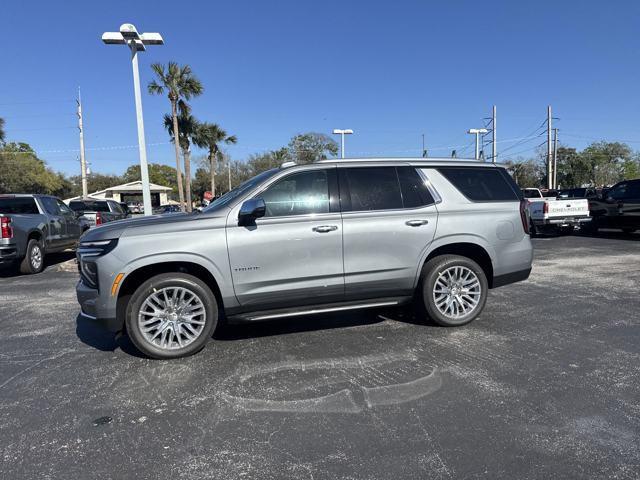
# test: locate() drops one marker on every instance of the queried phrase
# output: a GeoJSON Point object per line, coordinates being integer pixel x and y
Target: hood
{"type": "Point", "coordinates": [153, 224]}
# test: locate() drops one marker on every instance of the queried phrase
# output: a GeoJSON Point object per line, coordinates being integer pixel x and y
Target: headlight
{"type": "Point", "coordinates": [87, 253]}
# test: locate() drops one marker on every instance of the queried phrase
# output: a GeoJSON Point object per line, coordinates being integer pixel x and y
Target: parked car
{"type": "Point", "coordinates": [97, 212]}
{"type": "Point", "coordinates": [554, 214]}
{"type": "Point", "coordinates": [162, 209]}
{"type": "Point", "coordinates": [619, 207]}
{"type": "Point", "coordinates": [330, 236]}
{"type": "Point", "coordinates": [33, 226]}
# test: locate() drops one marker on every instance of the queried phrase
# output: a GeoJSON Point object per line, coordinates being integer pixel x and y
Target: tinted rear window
{"type": "Point", "coordinates": [18, 205]}
{"type": "Point", "coordinates": [414, 191]}
{"type": "Point", "coordinates": [78, 206]}
{"type": "Point", "coordinates": [373, 188]}
{"type": "Point", "coordinates": [481, 184]}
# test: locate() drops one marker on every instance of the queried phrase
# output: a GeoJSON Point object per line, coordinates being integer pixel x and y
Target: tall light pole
{"type": "Point", "coordinates": [477, 132]}
{"type": "Point", "coordinates": [83, 163]}
{"type": "Point", "coordinates": [128, 35]}
{"type": "Point", "coordinates": [342, 133]}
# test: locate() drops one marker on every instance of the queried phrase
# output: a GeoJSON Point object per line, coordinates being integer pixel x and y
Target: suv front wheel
{"type": "Point", "coordinates": [453, 290]}
{"type": "Point", "coordinates": [171, 315]}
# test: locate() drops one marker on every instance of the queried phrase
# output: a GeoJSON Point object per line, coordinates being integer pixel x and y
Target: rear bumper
{"type": "Point", "coordinates": [562, 221]}
{"type": "Point", "coordinates": [513, 277]}
{"type": "Point", "coordinates": [8, 253]}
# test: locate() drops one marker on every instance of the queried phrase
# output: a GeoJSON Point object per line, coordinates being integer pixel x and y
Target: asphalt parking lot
{"type": "Point", "coordinates": [545, 384]}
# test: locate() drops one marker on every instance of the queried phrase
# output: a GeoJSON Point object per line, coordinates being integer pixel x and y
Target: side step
{"type": "Point", "coordinates": [318, 309]}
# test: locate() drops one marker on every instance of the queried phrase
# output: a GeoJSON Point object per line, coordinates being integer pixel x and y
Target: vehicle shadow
{"type": "Point", "coordinates": [50, 260]}
{"type": "Point", "coordinates": [94, 336]}
{"type": "Point", "coordinates": [610, 234]}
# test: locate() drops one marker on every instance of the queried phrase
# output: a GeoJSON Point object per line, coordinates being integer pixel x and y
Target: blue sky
{"type": "Point", "coordinates": [389, 70]}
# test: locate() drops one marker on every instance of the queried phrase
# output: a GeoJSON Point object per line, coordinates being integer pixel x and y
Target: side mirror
{"type": "Point", "coordinates": [250, 210]}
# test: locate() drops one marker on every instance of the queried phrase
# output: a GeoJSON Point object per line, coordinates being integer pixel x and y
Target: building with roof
{"type": "Point", "coordinates": [129, 192]}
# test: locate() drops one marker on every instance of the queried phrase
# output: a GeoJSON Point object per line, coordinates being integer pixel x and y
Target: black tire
{"type": "Point", "coordinates": [156, 284]}
{"type": "Point", "coordinates": [33, 262]}
{"type": "Point", "coordinates": [431, 272]}
{"type": "Point", "coordinates": [533, 231]}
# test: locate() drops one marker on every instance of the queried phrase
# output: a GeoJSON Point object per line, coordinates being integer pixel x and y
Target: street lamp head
{"type": "Point", "coordinates": [339, 131]}
{"type": "Point", "coordinates": [477, 130]}
{"type": "Point", "coordinates": [113, 38]}
{"type": "Point", "coordinates": [152, 39]}
{"type": "Point", "coordinates": [129, 31]}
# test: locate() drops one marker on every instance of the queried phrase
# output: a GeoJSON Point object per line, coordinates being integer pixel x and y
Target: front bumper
{"type": "Point", "coordinates": [94, 308]}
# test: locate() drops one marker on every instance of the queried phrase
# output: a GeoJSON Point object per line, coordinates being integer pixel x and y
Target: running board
{"type": "Point", "coordinates": [318, 309]}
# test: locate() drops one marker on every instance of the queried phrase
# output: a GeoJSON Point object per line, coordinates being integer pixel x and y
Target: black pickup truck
{"type": "Point", "coordinates": [32, 226]}
{"type": "Point", "coordinates": [618, 207]}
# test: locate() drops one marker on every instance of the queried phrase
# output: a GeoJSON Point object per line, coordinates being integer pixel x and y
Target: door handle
{"type": "Point", "coordinates": [416, 223]}
{"type": "Point", "coordinates": [325, 228]}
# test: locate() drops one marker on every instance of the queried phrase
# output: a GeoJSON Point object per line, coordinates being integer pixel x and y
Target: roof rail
{"type": "Point", "coordinates": [401, 159]}
{"type": "Point", "coordinates": [288, 164]}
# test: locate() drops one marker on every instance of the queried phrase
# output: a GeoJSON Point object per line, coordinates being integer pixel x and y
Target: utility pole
{"type": "Point", "coordinates": [229, 171]}
{"type": "Point", "coordinates": [83, 163]}
{"type": "Point", "coordinates": [555, 158]}
{"type": "Point", "coordinates": [549, 160]}
{"type": "Point", "coordinates": [494, 153]}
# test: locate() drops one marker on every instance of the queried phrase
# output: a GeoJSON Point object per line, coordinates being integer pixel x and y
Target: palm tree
{"type": "Point", "coordinates": [180, 84]}
{"type": "Point", "coordinates": [187, 128]}
{"type": "Point", "coordinates": [209, 136]}
{"type": "Point", "coordinates": [1, 130]}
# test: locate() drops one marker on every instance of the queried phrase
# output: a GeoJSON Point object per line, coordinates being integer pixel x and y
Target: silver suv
{"type": "Point", "coordinates": [306, 239]}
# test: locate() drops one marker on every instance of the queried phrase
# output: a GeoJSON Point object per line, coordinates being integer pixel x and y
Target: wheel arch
{"type": "Point", "coordinates": [466, 247]}
{"type": "Point", "coordinates": [137, 276]}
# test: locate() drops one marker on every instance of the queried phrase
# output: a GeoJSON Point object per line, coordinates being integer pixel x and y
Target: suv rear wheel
{"type": "Point", "coordinates": [453, 290]}
{"type": "Point", "coordinates": [171, 315]}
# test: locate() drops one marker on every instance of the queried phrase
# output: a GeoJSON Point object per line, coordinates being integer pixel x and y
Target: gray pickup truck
{"type": "Point", "coordinates": [307, 239]}
{"type": "Point", "coordinates": [33, 226]}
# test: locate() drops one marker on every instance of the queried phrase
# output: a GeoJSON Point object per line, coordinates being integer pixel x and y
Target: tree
{"type": "Point", "coordinates": [210, 136]}
{"type": "Point", "coordinates": [526, 173]}
{"type": "Point", "coordinates": [606, 161]}
{"type": "Point", "coordinates": [159, 174]}
{"type": "Point", "coordinates": [2, 134]}
{"type": "Point", "coordinates": [21, 171]}
{"type": "Point", "coordinates": [311, 147]}
{"type": "Point", "coordinates": [180, 85]}
{"type": "Point", "coordinates": [187, 128]}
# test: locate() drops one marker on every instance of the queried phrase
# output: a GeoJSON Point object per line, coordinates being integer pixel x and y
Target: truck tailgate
{"type": "Point", "coordinates": [567, 208]}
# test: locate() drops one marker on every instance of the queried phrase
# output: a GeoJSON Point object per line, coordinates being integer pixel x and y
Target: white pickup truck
{"type": "Point", "coordinates": [547, 212]}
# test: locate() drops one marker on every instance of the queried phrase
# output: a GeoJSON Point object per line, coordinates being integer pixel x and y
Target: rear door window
{"type": "Point", "coordinates": [414, 191]}
{"type": "Point", "coordinates": [481, 184]}
{"type": "Point", "coordinates": [372, 188]}
{"type": "Point", "coordinates": [50, 205]}
{"type": "Point", "coordinates": [18, 205]}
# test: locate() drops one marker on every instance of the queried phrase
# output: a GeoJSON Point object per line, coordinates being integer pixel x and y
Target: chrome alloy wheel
{"type": "Point", "coordinates": [457, 292]}
{"type": "Point", "coordinates": [36, 257]}
{"type": "Point", "coordinates": [172, 318]}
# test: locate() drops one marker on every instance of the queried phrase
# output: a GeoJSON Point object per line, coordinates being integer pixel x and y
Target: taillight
{"type": "Point", "coordinates": [524, 216]}
{"type": "Point", "coordinates": [98, 218]}
{"type": "Point", "coordinates": [5, 227]}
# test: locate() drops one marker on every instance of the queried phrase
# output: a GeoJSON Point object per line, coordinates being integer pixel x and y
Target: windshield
{"type": "Point", "coordinates": [228, 197]}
